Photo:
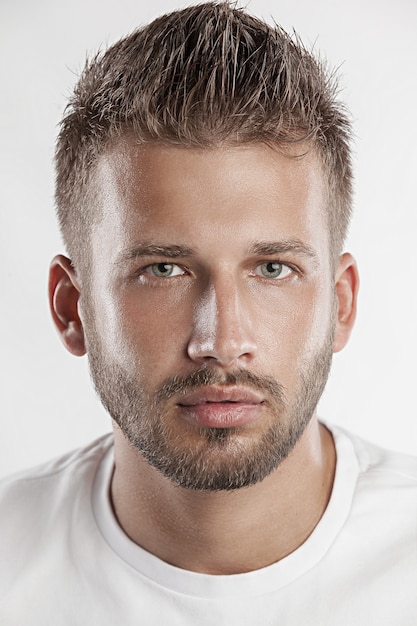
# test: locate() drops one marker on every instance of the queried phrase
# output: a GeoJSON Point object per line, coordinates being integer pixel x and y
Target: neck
{"type": "Point", "coordinates": [225, 532]}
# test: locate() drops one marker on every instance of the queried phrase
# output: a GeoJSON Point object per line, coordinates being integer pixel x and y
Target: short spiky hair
{"type": "Point", "coordinates": [206, 75]}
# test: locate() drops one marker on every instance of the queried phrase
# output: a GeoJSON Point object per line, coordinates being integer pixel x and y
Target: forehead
{"type": "Point", "coordinates": [179, 192]}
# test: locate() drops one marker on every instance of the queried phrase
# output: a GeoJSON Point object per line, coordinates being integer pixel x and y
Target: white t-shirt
{"type": "Point", "coordinates": [65, 561]}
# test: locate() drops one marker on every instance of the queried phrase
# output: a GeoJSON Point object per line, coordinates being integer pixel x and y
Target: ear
{"type": "Point", "coordinates": [346, 288]}
{"type": "Point", "coordinates": [64, 293]}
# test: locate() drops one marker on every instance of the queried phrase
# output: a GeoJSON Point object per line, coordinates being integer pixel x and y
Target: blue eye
{"type": "Point", "coordinates": [272, 269]}
{"type": "Point", "coordinates": [164, 270]}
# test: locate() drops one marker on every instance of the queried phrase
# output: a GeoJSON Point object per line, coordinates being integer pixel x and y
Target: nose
{"type": "Point", "coordinates": [223, 326]}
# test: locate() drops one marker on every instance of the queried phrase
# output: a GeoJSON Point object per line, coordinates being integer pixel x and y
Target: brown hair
{"type": "Point", "coordinates": [202, 76]}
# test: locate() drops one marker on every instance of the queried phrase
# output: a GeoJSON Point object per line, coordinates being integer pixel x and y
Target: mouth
{"type": "Point", "coordinates": [221, 407]}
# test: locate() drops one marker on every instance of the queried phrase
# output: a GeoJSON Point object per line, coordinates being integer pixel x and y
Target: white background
{"type": "Point", "coordinates": [47, 403]}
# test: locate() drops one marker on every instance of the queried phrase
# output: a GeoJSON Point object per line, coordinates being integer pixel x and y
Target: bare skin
{"type": "Point", "coordinates": [231, 212]}
{"type": "Point", "coordinates": [226, 532]}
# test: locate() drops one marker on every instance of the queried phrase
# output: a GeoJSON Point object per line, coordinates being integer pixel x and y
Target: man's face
{"type": "Point", "coordinates": [209, 314]}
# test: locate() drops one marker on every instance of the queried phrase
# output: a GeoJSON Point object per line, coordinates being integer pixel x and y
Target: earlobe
{"type": "Point", "coordinates": [346, 288]}
{"type": "Point", "coordinates": [64, 293]}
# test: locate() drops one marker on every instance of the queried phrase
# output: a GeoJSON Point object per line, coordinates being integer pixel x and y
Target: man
{"type": "Point", "coordinates": [204, 193]}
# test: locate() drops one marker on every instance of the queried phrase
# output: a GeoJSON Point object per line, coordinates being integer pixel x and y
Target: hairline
{"type": "Point", "coordinates": [89, 193]}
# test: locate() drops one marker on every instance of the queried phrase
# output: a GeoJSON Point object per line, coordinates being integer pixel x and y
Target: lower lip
{"type": "Point", "coordinates": [221, 414]}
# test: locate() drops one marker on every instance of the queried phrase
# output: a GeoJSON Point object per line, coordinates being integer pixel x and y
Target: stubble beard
{"type": "Point", "coordinates": [223, 458]}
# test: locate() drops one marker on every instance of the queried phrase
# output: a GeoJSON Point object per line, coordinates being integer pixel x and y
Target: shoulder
{"type": "Point", "coordinates": [46, 519]}
{"type": "Point", "coordinates": [36, 491]}
{"type": "Point", "coordinates": [386, 479]}
{"type": "Point", "coordinates": [382, 463]}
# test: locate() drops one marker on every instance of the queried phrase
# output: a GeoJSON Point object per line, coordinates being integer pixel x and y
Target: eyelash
{"type": "Point", "coordinates": [154, 265]}
{"type": "Point", "coordinates": [289, 269]}
{"type": "Point", "coordinates": [282, 267]}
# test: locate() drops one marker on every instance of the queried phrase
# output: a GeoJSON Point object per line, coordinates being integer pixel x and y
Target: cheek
{"type": "Point", "coordinates": [150, 333]}
{"type": "Point", "coordinates": [294, 327]}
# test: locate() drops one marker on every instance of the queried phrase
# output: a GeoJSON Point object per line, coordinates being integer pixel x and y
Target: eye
{"type": "Point", "coordinates": [164, 270]}
{"type": "Point", "coordinates": [272, 269]}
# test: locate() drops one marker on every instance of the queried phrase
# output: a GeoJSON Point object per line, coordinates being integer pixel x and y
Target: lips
{"type": "Point", "coordinates": [221, 407]}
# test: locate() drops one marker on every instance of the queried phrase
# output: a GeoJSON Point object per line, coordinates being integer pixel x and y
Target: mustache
{"type": "Point", "coordinates": [180, 385]}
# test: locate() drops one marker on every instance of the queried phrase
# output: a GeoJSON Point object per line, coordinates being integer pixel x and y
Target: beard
{"type": "Point", "coordinates": [212, 459]}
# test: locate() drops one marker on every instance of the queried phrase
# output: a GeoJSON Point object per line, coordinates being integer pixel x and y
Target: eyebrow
{"type": "Point", "coordinates": [284, 246]}
{"type": "Point", "coordinates": [151, 249]}
{"type": "Point", "coordinates": [259, 248]}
